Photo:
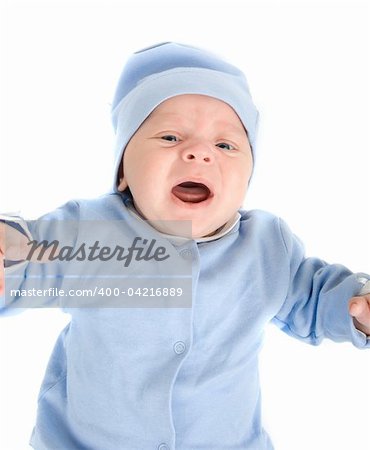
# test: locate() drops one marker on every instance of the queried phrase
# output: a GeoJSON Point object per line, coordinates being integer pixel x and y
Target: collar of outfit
{"type": "Point", "coordinates": [222, 231]}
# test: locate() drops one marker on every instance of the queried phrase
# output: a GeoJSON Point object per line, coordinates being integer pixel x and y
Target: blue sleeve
{"type": "Point", "coordinates": [24, 276]}
{"type": "Point", "coordinates": [316, 304]}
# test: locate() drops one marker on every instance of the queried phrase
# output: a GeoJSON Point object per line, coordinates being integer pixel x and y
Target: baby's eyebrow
{"type": "Point", "coordinates": [173, 120]}
{"type": "Point", "coordinates": [170, 119]}
{"type": "Point", "coordinates": [233, 129]}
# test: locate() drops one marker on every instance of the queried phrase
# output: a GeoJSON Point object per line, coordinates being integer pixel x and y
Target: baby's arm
{"type": "Point", "coordinates": [18, 253]}
{"type": "Point", "coordinates": [323, 300]}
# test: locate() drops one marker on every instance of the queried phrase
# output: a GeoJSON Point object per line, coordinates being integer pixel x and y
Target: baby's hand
{"type": "Point", "coordinates": [359, 309]}
{"type": "Point", "coordinates": [14, 246]}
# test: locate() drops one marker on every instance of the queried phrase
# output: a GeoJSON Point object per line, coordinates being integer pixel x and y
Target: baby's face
{"type": "Point", "coordinates": [189, 160]}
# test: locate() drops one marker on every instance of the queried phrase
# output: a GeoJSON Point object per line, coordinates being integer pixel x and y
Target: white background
{"type": "Point", "coordinates": [307, 64]}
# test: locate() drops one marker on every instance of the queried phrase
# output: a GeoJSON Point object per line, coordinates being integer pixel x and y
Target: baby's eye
{"type": "Point", "coordinates": [170, 138]}
{"type": "Point", "coordinates": [225, 146]}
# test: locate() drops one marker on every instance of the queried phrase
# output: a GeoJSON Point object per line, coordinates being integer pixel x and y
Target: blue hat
{"type": "Point", "coordinates": [165, 70]}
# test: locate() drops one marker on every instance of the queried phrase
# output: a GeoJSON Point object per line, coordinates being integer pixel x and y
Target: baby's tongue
{"type": "Point", "coordinates": [191, 192]}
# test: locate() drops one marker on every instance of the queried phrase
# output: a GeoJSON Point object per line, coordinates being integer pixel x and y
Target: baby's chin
{"type": "Point", "coordinates": [189, 229]}
{"type": "Point", "coordinates": [183, 228]}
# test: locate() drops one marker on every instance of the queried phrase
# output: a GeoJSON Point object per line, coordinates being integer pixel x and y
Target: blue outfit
{"type": "Point", "coordinates": [166, 373]}
{"type": "Point", "coordinates": [184, 378]}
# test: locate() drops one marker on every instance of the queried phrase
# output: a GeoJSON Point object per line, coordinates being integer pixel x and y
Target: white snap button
{"type": "Point", "coordinates": [163, 447]}
{"type": "Point", "coordinates": [186, 253]}
{"type": "Point", "coordinates": [179, 347]}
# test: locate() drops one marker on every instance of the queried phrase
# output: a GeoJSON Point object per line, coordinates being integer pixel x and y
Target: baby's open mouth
{"type": "Point", "coordinates": [191, 192]}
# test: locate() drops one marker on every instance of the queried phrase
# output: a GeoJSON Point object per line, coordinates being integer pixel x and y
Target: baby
{"type": "Point", "coordinates": [167, 375]}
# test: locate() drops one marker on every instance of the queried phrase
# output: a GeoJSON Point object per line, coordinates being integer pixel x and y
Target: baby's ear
{"type": "Point", "coordinates": [122, 184]}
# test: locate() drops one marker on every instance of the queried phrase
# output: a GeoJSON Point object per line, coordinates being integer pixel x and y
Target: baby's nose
{"type": "Point", "coordinates": [199, 152]}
